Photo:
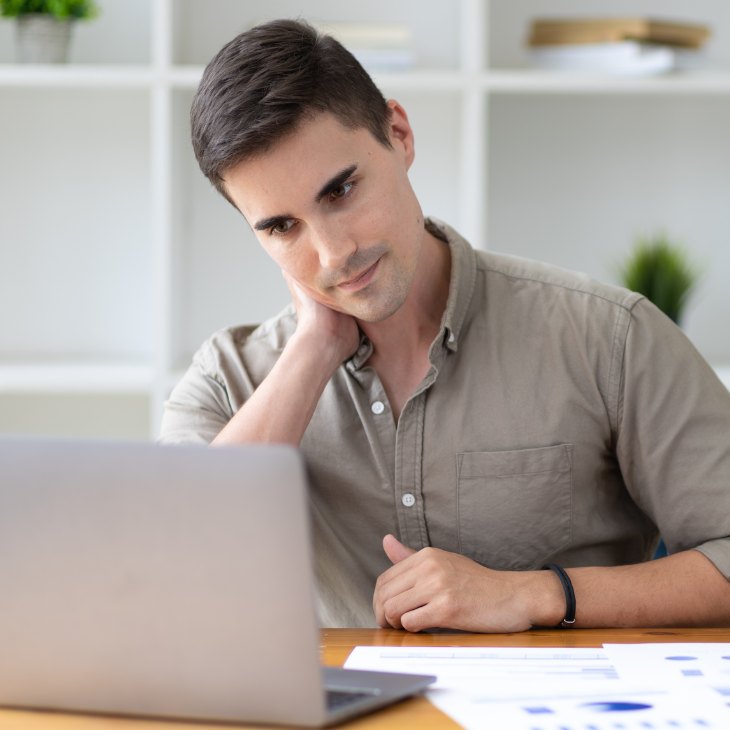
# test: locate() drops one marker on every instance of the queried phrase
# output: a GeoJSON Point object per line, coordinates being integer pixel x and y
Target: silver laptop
{"type": "Point", "coordinates": [168, 581]}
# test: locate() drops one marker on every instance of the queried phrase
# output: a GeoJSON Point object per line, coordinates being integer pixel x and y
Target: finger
{"type": "Point", "coordinates": [379, 610]}
{"type": "Point", "coordinates": [396, 571]}
{"type": "Point", "coordinates": [396, 550]}
{"type": "Point", "coordinates": [396, 608]}
{"type": "Point", "coordinates": [386, 592]}
{"type": "Point", "coordinates": [295, 286]}
{"type": "Point", "coordinates": [423, 617]}
{"type": "Point", "coordinates": [403, 559]}
{"type": "Point", "coordinates": [301, 289]}
{"type": "Point", "coordinates": [292, 286]}
{"type": "Point", "coordinates": [408, 560]}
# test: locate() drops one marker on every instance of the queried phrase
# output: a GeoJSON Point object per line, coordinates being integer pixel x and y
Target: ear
{"type": "Point", "coordinates": [401, 134]}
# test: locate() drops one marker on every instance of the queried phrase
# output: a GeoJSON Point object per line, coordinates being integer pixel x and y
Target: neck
{"type": "Point", "coordinates": [415, 325]}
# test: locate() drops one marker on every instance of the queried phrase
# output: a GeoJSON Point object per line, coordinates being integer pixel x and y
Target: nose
{"type": "Point", "coordinates": [334, 247]}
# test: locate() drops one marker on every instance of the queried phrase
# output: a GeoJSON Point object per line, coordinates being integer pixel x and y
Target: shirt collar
{"type": "Point", "coordinates": [362, 354]}
{"type": "Point", "coordinates": [461, 284]}
{"type": "Point", "coordinates": [461, 288]}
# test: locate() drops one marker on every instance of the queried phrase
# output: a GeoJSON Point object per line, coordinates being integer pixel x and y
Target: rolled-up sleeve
{"type": "Point", "coordinates": [224, 374]}
{"type": "Point", "coordinates": [673, 437]}
{"type": "Point", "coordinates": [198, 407]}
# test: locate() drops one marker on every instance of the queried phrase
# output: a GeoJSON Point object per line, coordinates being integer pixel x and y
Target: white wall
{"type": "Point", "coordinates": [75, 259]}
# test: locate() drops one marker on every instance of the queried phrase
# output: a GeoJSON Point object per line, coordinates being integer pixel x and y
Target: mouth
{"type": "Point", "coordinates": [361, 280]}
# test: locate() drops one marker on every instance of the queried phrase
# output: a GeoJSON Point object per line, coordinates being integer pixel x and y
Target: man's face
{"type": "Point", "coordinates": [335, 209]}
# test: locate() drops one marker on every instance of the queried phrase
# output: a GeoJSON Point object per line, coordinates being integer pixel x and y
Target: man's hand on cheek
{"type": "Point", "coordinates": [333, 331]}
{"type": "Point", "coordinates": [433, 588]}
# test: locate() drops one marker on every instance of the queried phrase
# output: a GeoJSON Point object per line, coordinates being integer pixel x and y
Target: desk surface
{"type": "Point", "coordinates": [413, 713]}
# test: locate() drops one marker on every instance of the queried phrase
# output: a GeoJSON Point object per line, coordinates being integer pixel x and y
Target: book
{"type": "Point", "coordinates": [624, 58]}
{"type": "Point", "coordinates": [377, 46]}
{"type": "Point", "coordinates": [369, 35]}
{"type": "Point", "coordinates": [555, 32]}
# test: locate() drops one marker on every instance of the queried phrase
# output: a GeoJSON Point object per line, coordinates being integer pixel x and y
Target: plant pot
{"type": "Point", "coordinates": [42, 38]}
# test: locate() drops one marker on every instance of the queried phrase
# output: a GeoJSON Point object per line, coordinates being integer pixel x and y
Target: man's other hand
{"type": "Point", "coordinates": [433, 588]}
{"type": "Point", "coordinates": [335, 333]}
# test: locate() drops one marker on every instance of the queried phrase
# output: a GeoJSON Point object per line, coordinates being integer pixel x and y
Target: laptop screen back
{"type": "Point", "coordinates": [157, 580]}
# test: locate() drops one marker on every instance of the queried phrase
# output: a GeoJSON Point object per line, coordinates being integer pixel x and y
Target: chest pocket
{"type": "Point", "coordinates": [514, 507]}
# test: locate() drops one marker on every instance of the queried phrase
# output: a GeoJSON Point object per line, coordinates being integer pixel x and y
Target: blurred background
{"type": "Point", "coordinates": [117, 259]}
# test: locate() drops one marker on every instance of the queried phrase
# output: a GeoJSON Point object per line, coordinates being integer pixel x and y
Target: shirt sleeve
{"type": "Point", "coordinates": [199, 405]}
{"type": "Point", "coordinates": [673, 437]}
{"type": "Point", "coordinates": [224, 374]}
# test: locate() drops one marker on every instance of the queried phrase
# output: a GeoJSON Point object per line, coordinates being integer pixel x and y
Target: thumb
{"type": "Point", "coordinates": [395, 550]}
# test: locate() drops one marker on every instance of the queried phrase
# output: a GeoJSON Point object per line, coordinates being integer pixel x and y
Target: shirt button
{"type": "Point", "coordinates": [408, 500]}
{"type": "Point", "coordinates": [362, 350]}
{"type": "Point", "coordinates": [451, 337]}
{"type": "Point", "coordinates": [377, 408]}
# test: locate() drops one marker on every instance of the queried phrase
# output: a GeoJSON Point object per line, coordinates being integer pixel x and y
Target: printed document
{"type": "Point", "coordinates": [485, 688]}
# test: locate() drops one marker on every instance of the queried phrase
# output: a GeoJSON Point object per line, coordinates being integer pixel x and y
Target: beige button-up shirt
{"type": "Point", "coordinates": [562, 420]}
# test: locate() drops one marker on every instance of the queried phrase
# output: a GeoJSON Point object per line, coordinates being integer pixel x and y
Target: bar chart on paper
{"type": "Point", "coordinates": [684, 666]}
{"type": "Point", "coordinates": [621, 711]}
{"type": "Point", "coordinates": [550, 689]}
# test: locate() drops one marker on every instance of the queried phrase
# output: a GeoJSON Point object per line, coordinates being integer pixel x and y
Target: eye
{"type": "Point", "coordinates": [341, 191]}
{"type": "Point", "coordinates": [281, 228]}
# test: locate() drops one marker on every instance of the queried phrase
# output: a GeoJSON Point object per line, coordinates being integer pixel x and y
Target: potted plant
{"type": "Point", "coordinates": [44, 26]}
{"type": "Point", "coordinates": [662, 271]}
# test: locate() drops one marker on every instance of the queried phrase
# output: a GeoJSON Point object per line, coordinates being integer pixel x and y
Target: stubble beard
{"type": "Point", "coordinates": [383, 297]}
{"type": "Point", "coordinates": [386, 297]}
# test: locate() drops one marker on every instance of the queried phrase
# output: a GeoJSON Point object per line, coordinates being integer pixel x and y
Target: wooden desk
{"type": "Point", "coordinates": [413, 713]}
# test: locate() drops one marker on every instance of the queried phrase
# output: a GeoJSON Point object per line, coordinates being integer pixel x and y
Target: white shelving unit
{"type": "Point", "coordinates": [178, 204]}
{"type": "Point", "coordinates": [497, 81]}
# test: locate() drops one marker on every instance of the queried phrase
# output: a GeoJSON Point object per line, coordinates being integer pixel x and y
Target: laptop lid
{"type": "Point", "coordinates": [170, 581]}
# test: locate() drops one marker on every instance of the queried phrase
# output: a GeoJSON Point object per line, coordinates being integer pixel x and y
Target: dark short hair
{"type": "Point", "coordinates": [265, 82]}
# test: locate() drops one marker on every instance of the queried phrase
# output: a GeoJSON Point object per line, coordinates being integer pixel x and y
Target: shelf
{"type": "Point", "coordinates": [549, 82]}
{"type": "Point", "coordinates": [81, 76]}
{"type": "Point", "coordinates": [517, 81]}
{"type": "Point", "coordinates": [188, 77]}
{"type": "Point", "coordinates": [421, 81]}
{"type": "Point", "coordinates": [185, 77]}
{"type": "Point", "coordinates": [75, 377]}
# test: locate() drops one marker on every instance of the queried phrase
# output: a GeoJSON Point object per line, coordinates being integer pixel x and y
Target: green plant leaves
{"type": "Point", "coordinates": [662, 272]}
{"type": "Point", "coordinates": [61, 9]}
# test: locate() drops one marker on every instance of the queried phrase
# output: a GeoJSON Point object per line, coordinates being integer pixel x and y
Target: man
{"type": "Point", "coordinates": [466, 417]}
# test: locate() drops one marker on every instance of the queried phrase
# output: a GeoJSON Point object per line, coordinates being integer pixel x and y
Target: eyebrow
{"type": "Point", "coordinates": [335, 181]}
{"type": "Point", "coordinates": [270, 222]}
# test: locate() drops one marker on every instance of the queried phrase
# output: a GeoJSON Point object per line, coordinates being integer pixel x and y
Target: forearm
{"type": "Point", "coordinates": [684, 590]}
{"type": "Point", "coordinates": [281, 408]}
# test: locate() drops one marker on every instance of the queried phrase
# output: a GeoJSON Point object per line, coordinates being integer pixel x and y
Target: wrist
{"type": "Point", "coordinates": [546, 604]}
{"type": "Point", "coordinates": [323, 353]}
{"type": "Point", "coordinates": [329, 349]}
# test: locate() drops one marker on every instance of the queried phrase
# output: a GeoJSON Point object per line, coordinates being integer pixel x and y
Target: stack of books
{"type": "Point", "coordinates": [621, 46]}
{"type": "Point", "coordinates": [377, 46]}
